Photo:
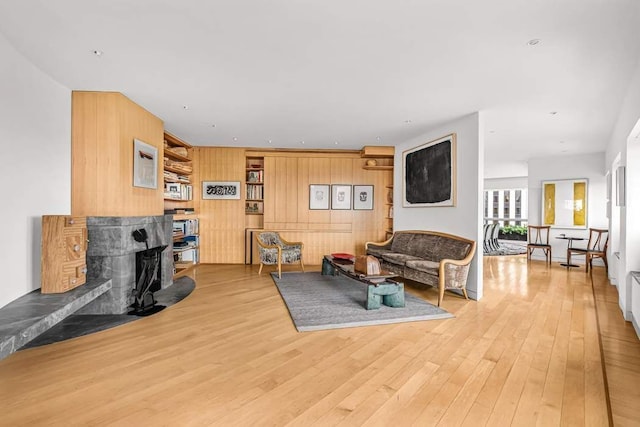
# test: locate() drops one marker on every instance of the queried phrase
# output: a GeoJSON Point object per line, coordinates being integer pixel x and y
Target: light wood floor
{"type": "Point", "coordinates": [527, 354]}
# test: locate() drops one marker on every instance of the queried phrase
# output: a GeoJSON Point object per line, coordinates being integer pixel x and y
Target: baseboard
{"type": "Point", "coordinates": [472, 294]}
{"type": "Point", "coordinates": [634, 322]}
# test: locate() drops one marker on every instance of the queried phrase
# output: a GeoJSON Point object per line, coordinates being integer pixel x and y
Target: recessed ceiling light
{"type": "Point", "coordinates": [301, 142]}
{"type": "Point", "coordinates": [235, 138]}
{"type": "Point", "coordinates": [213, 125]}
{"type": "Point", "coordinates": [336, 142]}
{"type": "Point", "coordinates": [534, 42]}
{"type": "Point", "coordinates": [407, 121]}
{"type": "Point", "coordinates": [98, 52]}
{"type": "Point", "coordinates": [553, 113]}
{"type": "Point", "coordinates": [561, 142]}
{"type": "Point", "coordinates": [492, 131]}
{"type": "Point", "coordinates": [378, 138]}
{"type": "Point", "coordinates": [185, 107]}
{"type": "Point", "coordinates": [270, 141]}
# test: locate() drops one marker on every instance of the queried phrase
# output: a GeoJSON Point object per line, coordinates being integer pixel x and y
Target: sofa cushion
{"type": "Point", "coordinates": [377, 252]}
{"type": "Point", "coordinates": [434, 247]}
{"type": "Point", "coordinates": [401, 241]}
{"type": "Point", "coordinates": [430, 267]}
{"type": "Point", "coordinates": [398, 258]}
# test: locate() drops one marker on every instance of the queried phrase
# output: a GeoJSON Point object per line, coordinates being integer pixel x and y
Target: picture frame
{"type": "Point", "coordinates": [341, 197]}
{"type": "Point", "coordinates": [318, 196]}
{"type": "Point", "coordinates": [363, 197]}
{"type": "Point", "coordinates": [565, 203]}
{"type": "Point", "coordinates": [429, 172]}
{"type": "Point", "coordinates": [145, 165]}
{"type": "Point", "coordinates": [220, 190]}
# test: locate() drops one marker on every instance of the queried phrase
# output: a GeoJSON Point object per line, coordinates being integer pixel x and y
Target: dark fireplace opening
{"type": "Point", "coordinates": [148, 277]}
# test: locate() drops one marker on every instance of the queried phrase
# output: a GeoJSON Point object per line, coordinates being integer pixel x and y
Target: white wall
{"type": "Point", "coordinates": [506, 183]}
{"type": "Point", "coordinates": [35, 136]}
{"type": "Point", "coordinates": [629, 241]}
{"type": "Point", "coordinates": [590, 166]}
{"type": "Point", "coordinates": [465, 218]}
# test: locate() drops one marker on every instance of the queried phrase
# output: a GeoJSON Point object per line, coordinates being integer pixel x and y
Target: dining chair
{"type": "Point", "coordinates": [538, 238]}
{"type": "Point", "coordinates": [273, 249]}
{"type": "Point", "coordinates": [596, 248]}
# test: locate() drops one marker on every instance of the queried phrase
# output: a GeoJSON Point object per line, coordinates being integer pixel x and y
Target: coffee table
{"type": "Point", "coordinates": [380, 288]}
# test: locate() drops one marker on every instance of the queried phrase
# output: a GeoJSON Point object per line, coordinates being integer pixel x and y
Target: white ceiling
{"type": "Point", "coordinates": [355, 72]}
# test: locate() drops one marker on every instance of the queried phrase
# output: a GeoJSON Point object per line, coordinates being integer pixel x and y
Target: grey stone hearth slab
{"type": "Point", "coordinates": [32, 314]}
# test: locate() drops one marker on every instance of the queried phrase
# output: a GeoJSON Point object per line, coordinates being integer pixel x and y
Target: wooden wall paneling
{"type": "Point", "coordinates": [319, 172]}
{"type": "Point", "coordinates": [270, 185]}
{"type": "Point", "coordinates": [104, 125]}
{"type": "Point", "coordinates": [341, 173]}
{"type": "Point", "coordinates": [222, 222]}
{"type": "Point", "coordinates": [138, 123]}
{"type": "Point", "coordinates": [83, 152]}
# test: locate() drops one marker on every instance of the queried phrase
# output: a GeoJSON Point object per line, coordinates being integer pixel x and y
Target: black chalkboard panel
{"type": "Point", "coordinates": [429, 174]}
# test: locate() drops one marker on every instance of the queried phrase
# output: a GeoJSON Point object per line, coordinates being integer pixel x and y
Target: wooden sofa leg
{"type": "Point", "coordinates": [440, 295]}
{"type": "Point", "coordinates": [464, 292]}
{"type": "Point", "coordinates": [260, 270]}
{"type": "Point", "coordinates": [302, 265]}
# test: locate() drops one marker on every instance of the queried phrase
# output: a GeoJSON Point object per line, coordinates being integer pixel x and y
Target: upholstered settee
{"type": "Point", "coordinates": [429, 257]}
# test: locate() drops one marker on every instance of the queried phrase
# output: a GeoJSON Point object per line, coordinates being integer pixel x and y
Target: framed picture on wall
{"type": "Point", "coordinates": [564, 203]}
{"type": "Point", "coordinates": [319, 196]}
{"type": "Point", "coordinates": [220, 190]}
{"type": "Point", "coordinates": [145, 165]}
{"type": "Point", "coordinates": [340, 197]}
{"type": "Point", "coordinates": [430, 174]}
{"type": "Point", "coordinates": [363, 197]}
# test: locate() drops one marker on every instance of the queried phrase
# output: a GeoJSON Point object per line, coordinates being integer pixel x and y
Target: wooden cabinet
{"type": "Point", "coordinates": [254, 181]}
{"type": "Point", "coordinates": [64, 250]}
{"type": "Point", "coordinates": [178, 168]}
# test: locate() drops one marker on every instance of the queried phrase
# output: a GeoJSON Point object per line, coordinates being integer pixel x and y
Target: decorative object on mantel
{"type": "Point", "coordinates": [64, 248]}
{"type": "Point", "coordinates": [372, 162]}
{"type": "Point", "coordinates": [430, 173]}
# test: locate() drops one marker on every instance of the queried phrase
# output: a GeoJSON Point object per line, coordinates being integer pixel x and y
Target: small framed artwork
{"type": "Point", "coordinates": [220, 190]}
{"type": "Point", "coordinates": [318, 196]}
{"type": "Point", "coordinates": [145, 165]}
{"type": "Point", "coordinates": [340, 197]}
{"type": "Point", "coordinates": [363, 197]}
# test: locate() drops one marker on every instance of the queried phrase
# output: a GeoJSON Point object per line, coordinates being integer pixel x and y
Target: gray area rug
{"type": "Point", "coordinates": [509, 247]}
{"type": "Point", "coordinates": [318, 302]}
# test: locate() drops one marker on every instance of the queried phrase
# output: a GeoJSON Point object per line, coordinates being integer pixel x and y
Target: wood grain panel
{"type": "Point", "coordinates": [104, 125]}
{"type": "Point", "coordinates": [222, 222]}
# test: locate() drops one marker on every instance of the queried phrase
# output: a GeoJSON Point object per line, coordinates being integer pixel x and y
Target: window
{"type": "Point", "coordinates": [508, 207]}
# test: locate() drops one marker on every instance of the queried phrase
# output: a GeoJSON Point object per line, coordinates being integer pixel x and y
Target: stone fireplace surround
{"type": "Point", "coordinates": [111, 254]}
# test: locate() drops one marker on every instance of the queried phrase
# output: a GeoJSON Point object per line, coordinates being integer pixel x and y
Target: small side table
{"type": "Point", "coordinates": [569, 240]}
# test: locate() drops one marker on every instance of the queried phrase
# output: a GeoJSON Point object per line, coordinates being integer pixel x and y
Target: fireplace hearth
{"type": "Point", "coordinates": [111, 254]}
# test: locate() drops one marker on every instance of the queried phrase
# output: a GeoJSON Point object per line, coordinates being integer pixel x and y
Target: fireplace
{"type": "Point", "coordinates": [112, 254]}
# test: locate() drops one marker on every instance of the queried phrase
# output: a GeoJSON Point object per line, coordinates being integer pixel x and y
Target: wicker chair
{"type": "Point", "coordinates": [273, 249]}
{"type": "Point", "coordinates": [596, 248]}
{"type": "Point", "coordinates": [538, 236]}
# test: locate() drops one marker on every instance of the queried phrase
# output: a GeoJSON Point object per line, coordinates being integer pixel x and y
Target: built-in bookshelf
{"type": "Point", "coordinates": [254, 186]}
{"type": "Point", "coordinates": [186, 244]}
{"type": "Point", "coordinates": [178, 168]}
{"type": "Point", "coordinates": [389, 205]}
